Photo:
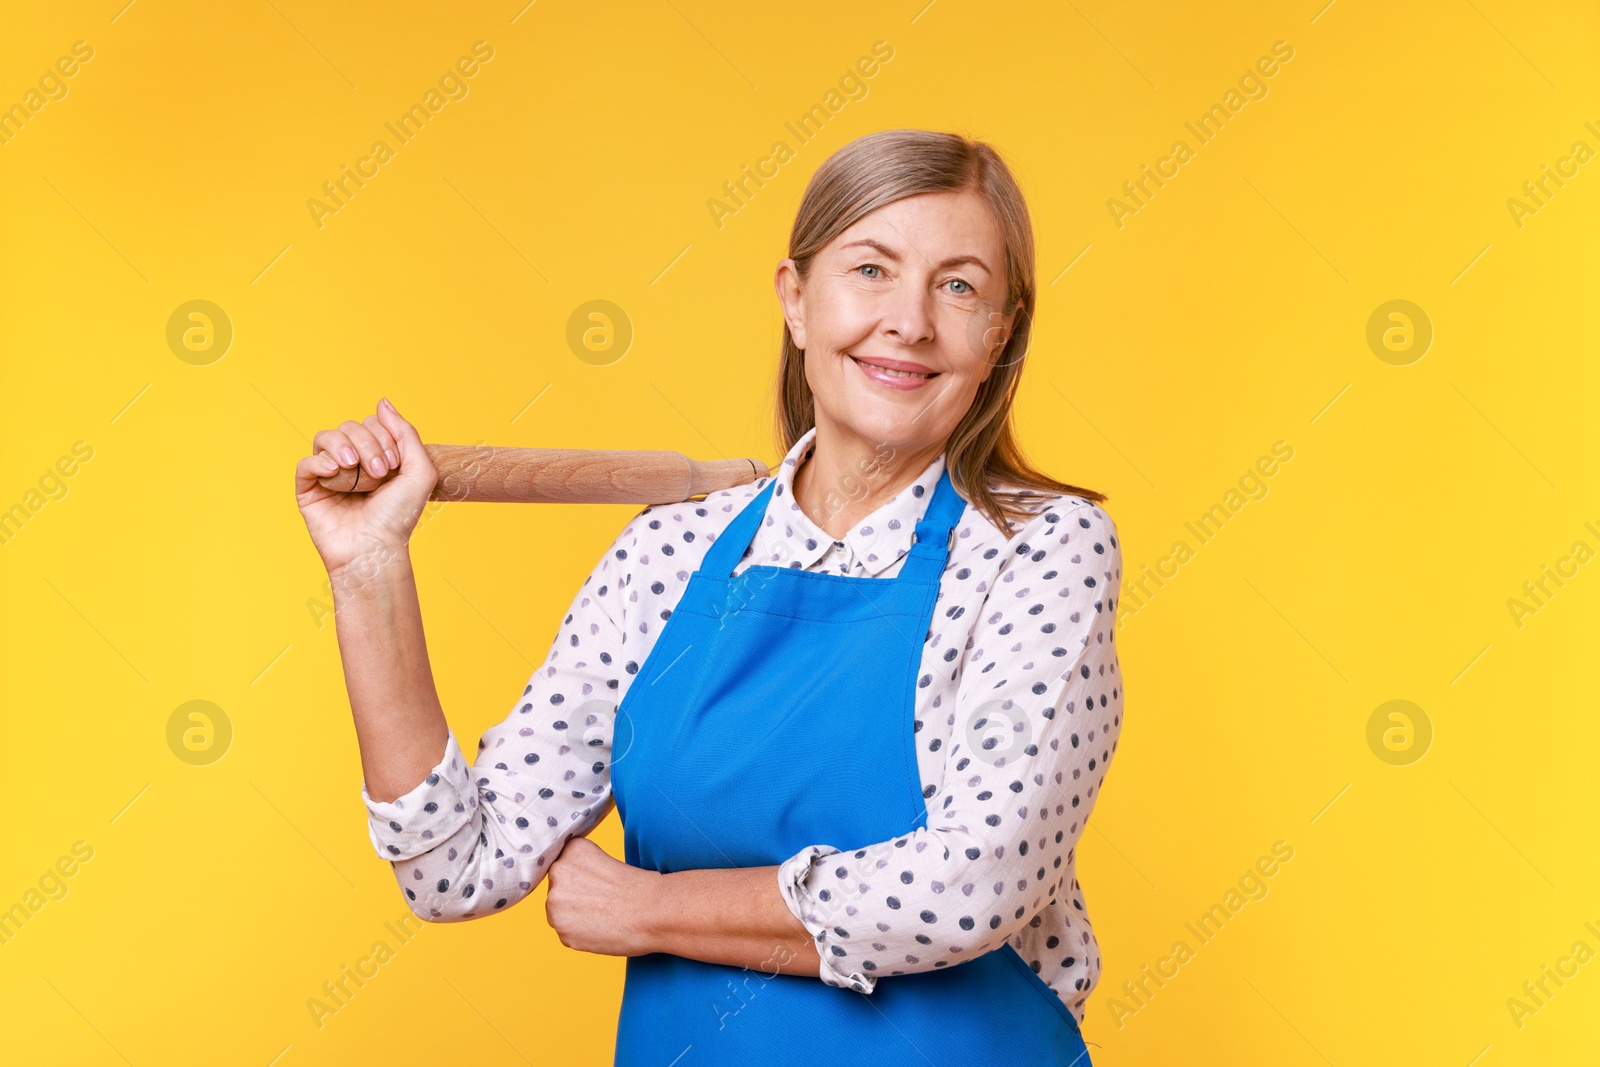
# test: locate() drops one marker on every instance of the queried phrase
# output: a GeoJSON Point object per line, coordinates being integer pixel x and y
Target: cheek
{"type": "Point", "coordinates": [983, 337]}
{"type": "Point", "coordinates": [971, 359]}
{"type": "Point", "coordinates": [966, 376]}
{"type": "Point", "coordinates": [822, 373]}
{"type": "Point", "coordinates": [841, 317]}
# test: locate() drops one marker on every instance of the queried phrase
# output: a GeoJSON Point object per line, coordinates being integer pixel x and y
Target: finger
{"type": "Point", "coordinates": [367, 445]}
{"type": "Point", "coordinates": [336, 445]}
{"type": "Point", "coordinates": [384, 438]}
{"type": "Point", "coordinates": [310, 468]}
{"type": "Point", "coordinates": [404, 433]}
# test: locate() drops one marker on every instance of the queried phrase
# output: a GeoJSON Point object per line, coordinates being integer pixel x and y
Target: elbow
{"type": "Point", "coordinates": [1005, 915]}
{"type": "Point", "coordinates": [436, 910]}
{"type": "Point", "coordinates": [451, 898]}
{"type": "Point", "coordinates": [425, 913]}
{"type": "Point", "coordinates": [976, 932]}
{"type": "Point", "coordinates": [463, 877]}
{"type": "Point", "coordinates": [479, 871]}
{"type": "Point", "coordinates": [1002, 920]}
{"type": "Point", "coordinates": [979, 904]}
{"type": "Point", "coordinates": [973, 908]}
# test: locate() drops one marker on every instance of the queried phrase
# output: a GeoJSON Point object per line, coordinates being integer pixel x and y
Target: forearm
{"type": "Point", "coordinates": [734, 916]}
{"type": "Point", "coordinates": [400, 726]}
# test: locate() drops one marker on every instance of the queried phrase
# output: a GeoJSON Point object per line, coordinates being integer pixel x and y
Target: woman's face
{"type": "Point", "coordinates": [915, 286]}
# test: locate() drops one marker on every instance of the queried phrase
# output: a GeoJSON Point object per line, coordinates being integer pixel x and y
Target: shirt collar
{"type": "Point", "coordinates": [788, 537]}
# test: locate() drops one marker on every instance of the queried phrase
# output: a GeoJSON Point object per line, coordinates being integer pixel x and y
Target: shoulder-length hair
{"type": "Point", "coordinates": [982, 452]}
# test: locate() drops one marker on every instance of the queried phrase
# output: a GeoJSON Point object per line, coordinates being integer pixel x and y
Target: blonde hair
{"type": "Point", "coordinates": [879, 169]}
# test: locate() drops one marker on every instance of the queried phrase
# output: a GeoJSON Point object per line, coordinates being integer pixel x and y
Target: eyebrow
{"type": "Point", "coordinates": [889, 253]}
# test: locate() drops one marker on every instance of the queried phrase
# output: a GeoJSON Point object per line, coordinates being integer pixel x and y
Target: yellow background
{"type": "Point", "coordinates": [1228, 314]}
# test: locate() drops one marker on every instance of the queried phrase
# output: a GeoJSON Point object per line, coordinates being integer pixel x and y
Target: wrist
{"type": "Point", "coordinates": [655, 912]}
{"type": "Point", "coordinates": [380, 565]}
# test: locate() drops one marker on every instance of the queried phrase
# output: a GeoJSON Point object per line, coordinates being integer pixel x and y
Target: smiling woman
{"type": "Point", "coordinates": [853, 716]}
{"type": "Point", "coordinates": [929, 270]}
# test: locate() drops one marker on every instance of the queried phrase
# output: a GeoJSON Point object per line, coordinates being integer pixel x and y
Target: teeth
{"type": "Point", "coordinates": [893, 373]}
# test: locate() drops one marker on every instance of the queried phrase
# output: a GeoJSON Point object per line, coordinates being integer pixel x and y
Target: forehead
{"type": "Point", "coordinates": [934, 226]}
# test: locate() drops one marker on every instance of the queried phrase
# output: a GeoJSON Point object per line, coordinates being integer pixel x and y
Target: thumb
{"type": "Point", "coordinates": [404, 433]}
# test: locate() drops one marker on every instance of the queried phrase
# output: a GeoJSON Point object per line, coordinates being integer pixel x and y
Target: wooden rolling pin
{"type": "Point", "coordinates": [565, 475]}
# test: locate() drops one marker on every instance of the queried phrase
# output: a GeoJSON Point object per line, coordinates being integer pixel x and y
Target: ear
{"type": "Point", "coordinates": [786, 281]}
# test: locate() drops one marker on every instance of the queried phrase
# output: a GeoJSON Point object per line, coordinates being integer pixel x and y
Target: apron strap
{"type": "Point", "coordinates": [726, 551]}
{"type": "Point", "coordinates": [925, 561]}
{"type": "Point", "coordinates": [935, 533]}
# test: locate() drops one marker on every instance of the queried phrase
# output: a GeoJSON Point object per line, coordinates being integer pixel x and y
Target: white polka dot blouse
{"type": "Point", "coordinates": [1017, 715]}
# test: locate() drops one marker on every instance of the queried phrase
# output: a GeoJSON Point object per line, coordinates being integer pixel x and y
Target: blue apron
{"type": "Point", "coordinates": [775, 712]}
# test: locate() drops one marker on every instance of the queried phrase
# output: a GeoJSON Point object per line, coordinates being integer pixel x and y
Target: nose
{"type": "Point", "coordinates": [908, 314]}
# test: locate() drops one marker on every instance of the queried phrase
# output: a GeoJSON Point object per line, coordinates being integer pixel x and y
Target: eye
{"type": "Point", "coordinates": [870, 266]}
{"type": "Point", "coordinates": [968, 291]}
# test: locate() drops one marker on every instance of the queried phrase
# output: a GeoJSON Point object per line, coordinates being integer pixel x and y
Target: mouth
{"type": "Point", "coordinates": [896, 373]}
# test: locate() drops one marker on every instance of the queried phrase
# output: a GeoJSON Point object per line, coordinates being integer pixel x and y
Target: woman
{"type": "Point", "coordinates": [853, 716]}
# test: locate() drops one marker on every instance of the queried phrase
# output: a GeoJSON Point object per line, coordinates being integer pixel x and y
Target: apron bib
{"type": "Point", "coordinates": [775, 711]}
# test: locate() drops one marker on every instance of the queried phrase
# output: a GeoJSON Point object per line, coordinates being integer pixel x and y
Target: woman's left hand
{"type": "Point", "coordinates": [596, 903]}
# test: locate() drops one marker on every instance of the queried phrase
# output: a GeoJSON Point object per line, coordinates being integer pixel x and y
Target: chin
{"type": "Point", "coordinates": [894, 429]}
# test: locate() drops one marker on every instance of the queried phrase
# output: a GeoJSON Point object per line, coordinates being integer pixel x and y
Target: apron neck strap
{"type": "Point", "coordinates": [726, 551]}
{"type": "Point", "coordinates": [935, 533]}
{"type": "Point", "coordinates": [929, 550]}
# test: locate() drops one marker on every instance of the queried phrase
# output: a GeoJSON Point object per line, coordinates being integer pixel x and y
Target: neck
{"type": "Point", "coordinates": [845, 481]}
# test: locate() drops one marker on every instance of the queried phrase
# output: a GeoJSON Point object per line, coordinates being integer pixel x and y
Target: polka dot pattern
{"type": "Point", "coordinates": [1017, 714]}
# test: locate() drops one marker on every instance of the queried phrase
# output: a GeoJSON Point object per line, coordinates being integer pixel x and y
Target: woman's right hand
{"type": "Point", "coordinates": [365, 527]}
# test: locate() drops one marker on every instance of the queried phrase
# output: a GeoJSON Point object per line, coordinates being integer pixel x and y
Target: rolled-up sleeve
{"type": "Point", "coordinates": [1037, 717]}
{"type": "Point", "coordinates": [410, 825]}
{"type": "Point", "coordinates": [472, 839]}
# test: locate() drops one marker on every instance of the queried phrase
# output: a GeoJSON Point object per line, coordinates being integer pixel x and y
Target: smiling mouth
{"type": "Point", "coordinates": [895, 373]}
